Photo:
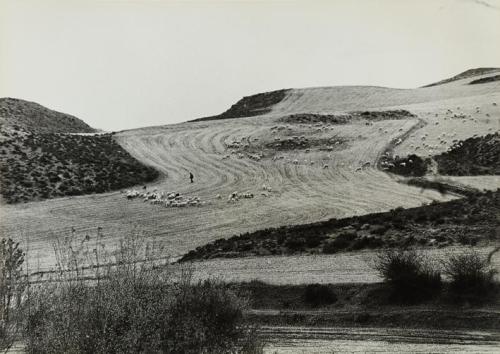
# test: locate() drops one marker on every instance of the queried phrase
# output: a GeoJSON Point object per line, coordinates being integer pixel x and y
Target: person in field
{"type": "Point", "coordinates": [191, 177]}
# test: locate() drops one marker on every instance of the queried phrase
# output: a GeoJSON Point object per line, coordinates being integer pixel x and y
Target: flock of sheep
{"type": "Point", "coordinates": [168, 200]}
{"type": "Point", "coordinates": [444, 139]}
{"type": "Point", "coordinates": [176, 200]}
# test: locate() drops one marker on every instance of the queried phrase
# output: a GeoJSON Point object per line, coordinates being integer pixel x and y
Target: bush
{"type": "Point", "coordinates": [410, 276]}
{"type": "Point", "coordinates": [203, 316]}
{"type": "Point", "coordinates": [133, 306]}
{"type": "Point", "coordinates": [318, 294]}
{"type": "Point", "coordinates": [295, 243]}
{"type": "Point", "coordinates": [342, 241]}
{"type": "Point", "coordinates": [471, 276]}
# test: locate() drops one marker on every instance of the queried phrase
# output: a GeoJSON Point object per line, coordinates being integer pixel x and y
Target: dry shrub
{"type": "Point", "coordinates": [319, 294]}
{"type": "Point", "coordinates": [411, 277]}
{"type": "Point", "coordinates": [12, 286]}
{"type": "Point", "coordinates": [134, 304]}
{"type": "Point", "coordinates": [472, 278]}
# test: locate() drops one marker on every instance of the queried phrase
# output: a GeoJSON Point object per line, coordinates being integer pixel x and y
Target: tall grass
{"type": "Point", "coordinates": [12, 287]}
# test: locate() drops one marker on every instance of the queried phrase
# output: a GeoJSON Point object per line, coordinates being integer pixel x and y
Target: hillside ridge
{"type": "Point", "coordinates": [33, 117]}
{"type": "Point", "coordinates": [274, 101]}
{"type": "Point", "coordinates": [464, 75]}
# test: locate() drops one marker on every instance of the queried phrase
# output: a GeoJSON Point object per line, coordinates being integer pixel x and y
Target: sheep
{"type": "Point", "coordinates": [325, 166]}
{"type": "Point", "coordinates": [247, 195]}
{"type": "Point", "coordinates": [233, 197]}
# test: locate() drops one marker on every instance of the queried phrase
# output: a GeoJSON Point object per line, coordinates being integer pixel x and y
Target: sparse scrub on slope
{"type": "Point", "coordinates": [43, 166]}
{"type": "Point", "coordinates": [471, 220]}
{"type": "Point", "coordinates": [485, 80]}
{"type": "Point", "coordinates": [30, 116]}
{"type": "Point", "coordinates": [472, 157]}
{"type": "Point", "coordinates": [249, 106]}
{"type": "Point", "coordinates": [370, 116]}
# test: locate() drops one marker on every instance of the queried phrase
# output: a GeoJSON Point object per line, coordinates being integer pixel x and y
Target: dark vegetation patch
{"type": "Point", "coordinates": [410, 166]}
{"type": "Point", "coordinates": [385, 115]}
{"type": "Point", "coordinates": [441, 186]}
{"type": "Point", "coordinates": [319, 295]}
{"type": "Point", "coordinates": [311, 118]}
{"type": "Point", "coordinates": [465, 74]}
{"type": "Point", "coordinates": [363, 305]}
{"type": "Point", "coordinates": [485, 80]}
{"type": "Point", "coordinates": [472, 157]}
{"type": "Point", "coordinates": [409, 275]}
{"type": "Point", "coordinates": [42, 166]}
{"type": "Point", "coordinates": [250, 106]}
{"type": "Point", "coordinates": [327, 144]}
{"type": "Point", "coordinates": [471, 277]}
{"type": "Point", "coordinates": [30, 116]}
{"type": "Point", "coordinates": [469, 221]}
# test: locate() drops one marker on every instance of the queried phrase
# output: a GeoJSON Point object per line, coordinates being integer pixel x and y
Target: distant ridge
{"type": "Point", "coordinates": [464, 75]}
{"type": "Point", "coordinates": [31, 116]}
{"type": "Point", "coordinates": [338, 98]}
{"type": "Point", "coordinates": [250, 106]}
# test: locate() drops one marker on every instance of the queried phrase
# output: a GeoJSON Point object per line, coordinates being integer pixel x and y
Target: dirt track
{"type": "Point", "coordinates": [374, 340]}
{"type": "Point", "coordinates": [301, 192]}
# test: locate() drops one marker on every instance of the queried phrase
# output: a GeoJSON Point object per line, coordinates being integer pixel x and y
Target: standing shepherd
{"type": "Point", "coordinates": [191, 177]}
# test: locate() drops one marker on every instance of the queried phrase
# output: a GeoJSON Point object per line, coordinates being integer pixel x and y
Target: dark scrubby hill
{"type": "Point", "coordinates": [465, 74]}
{"type": "Point", "coordinates": [41, 166]}
{"type": "Point", "coordinates": [467, 221]}
{"type": "Point", "coordinates": [250, 106]}
{"type": "Point", "coordinates": [43, 155]}
{"type": "Point", "coordinates": [472, 157]}
{"type": "Point", "coordinates": [410, 166]}
{"type": "Point", "coordinates": [369, 116]}
{"type": "Point", "coordinates": [485, 80]}
{"type": "Point", "coordinates": [30, 116]}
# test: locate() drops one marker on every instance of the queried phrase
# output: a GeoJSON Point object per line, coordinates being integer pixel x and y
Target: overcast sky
{"type": "Point", "coordinates": [125, 64]}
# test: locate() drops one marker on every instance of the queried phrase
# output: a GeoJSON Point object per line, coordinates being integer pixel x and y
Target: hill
{"type": "Point", "coordinates": [31, 116]}
{"type": "Point", "coordinates": [250, 106]}
{"type": "Point", "coordinates": [466, 74]}
{"type": "Point", "coordinates": [331, 100]}
{"type": "Point", "coordinates": [46, 154]}
{"type": "Point", "coordinates": [464, 221]}
{"type": "Point", "coordinates": [472, 157]}
{"type": "Point", "coordinates": [43, 166]}
{"type": "Point", "coordinates": [311, 157]}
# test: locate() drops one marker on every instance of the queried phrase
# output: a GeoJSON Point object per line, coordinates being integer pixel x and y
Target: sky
{"type": "Point", "coordinates": [121, 64]}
